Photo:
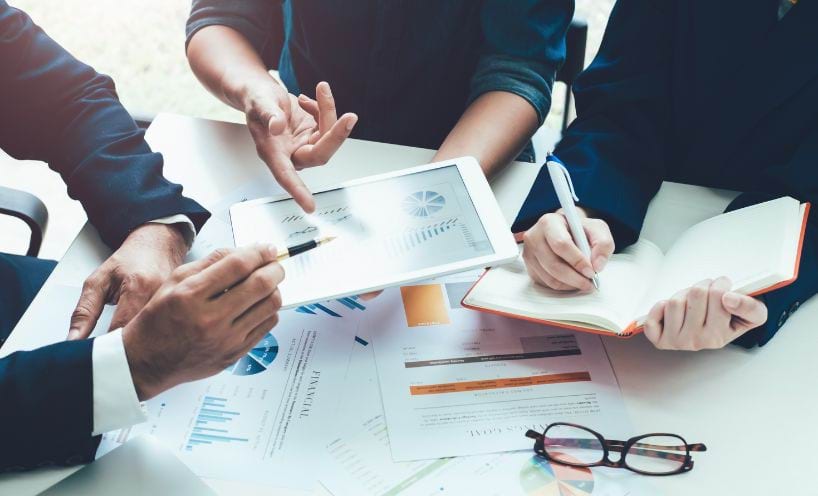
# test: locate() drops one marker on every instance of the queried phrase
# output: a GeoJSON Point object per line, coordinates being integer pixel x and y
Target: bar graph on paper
{"type": "Point", "coordinates": [334, 308]}
{"type": "Point", "coordinates": [212, 424]}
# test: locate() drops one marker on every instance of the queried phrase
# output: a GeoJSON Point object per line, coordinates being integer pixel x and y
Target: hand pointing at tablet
{"type": "Point", "coordinates": [554, 260]}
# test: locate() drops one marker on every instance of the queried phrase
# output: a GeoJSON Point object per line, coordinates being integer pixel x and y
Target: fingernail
{"type": "Point", "coordinates": [588, 272]}
{"type": "Point", "coordinates": [72, 333]}
{"type": "Point", "coordinates": [731, 301]}
{"type": "Point", "coordinates": [302, 96]}
{"type": "Point", "coordinates": [351, 124]}
{"type": "Point", "coordinates": [272, 251]}
{"type": "Point", "coordinates": [599, 263]}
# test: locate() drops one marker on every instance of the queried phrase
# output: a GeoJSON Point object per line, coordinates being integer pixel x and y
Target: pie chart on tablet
{"type": "Point", "coordinates": [539, 477]}
{"type": "Point", "coordinates": [423, 203]}
{"type": "Point", "coordinates": [258, 359]}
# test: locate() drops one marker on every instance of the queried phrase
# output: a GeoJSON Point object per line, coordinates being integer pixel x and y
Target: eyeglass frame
{"type": "Point", "coordinates": [623, 447]}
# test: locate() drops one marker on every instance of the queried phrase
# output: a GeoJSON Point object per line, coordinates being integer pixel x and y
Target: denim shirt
{"type": "Point", "coordinates": [408, 68]}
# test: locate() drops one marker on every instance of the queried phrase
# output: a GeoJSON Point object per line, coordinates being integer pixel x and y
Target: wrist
{"type": "Point", "coordinates": [168, 238]}
{"type": "Point", "coordinates": [146, 380]}
{"type": "Point", "coordinates": [244, 91]}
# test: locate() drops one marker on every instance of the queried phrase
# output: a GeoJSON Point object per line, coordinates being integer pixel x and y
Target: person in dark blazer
{"type": "Point", "coordinates": [463, 77]}
{"type": "Point", "coordinates": [172, 325]}
{"type": "Point", "coordinates": [721, 94]}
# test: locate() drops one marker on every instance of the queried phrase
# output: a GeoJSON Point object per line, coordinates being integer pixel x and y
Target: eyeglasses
{"type": "Point", "coordinates": [650, 454]}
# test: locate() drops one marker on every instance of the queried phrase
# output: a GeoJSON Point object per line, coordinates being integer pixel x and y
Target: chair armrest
{"type": "Point", "coordinates": [30, 210]}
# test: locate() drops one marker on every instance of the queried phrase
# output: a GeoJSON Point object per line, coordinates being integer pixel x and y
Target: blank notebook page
{"type": "Point", "coordinates": [755, 247]}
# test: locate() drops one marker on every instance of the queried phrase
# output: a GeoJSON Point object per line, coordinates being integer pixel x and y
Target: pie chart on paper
{"type": "Point", "coordinates": [539, 477]}
{"type": "Point", "coordinates": [257, 359]}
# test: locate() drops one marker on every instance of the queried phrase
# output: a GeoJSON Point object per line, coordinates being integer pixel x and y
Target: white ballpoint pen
{"type": "Point", "coordinates": [567, 196]}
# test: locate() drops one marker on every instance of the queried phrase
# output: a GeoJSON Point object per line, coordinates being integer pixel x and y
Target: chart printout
{"type": "Point", "coordinates": [389, 227]}
{"type": "Point", "coordinates": [263, 418]}
{"type": "Point", "coordinates": [457, 382]}
{"type": "Point", "coordinates": [357, 457]}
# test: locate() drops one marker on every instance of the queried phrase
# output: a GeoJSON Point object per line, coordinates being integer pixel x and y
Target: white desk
{"type": "Point", "coordinates": [754, 410]}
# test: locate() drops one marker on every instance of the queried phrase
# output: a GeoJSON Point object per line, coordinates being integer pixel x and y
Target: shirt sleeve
{"type": "Point", "coordinates": [61, 111]}
{"type": "Point", "coordinates": [523, 47]}
{"type": "Point", "coordinates": [251, 18]}
{"type": "Point", "coordinates": [186, 225]}
{"type": "Point", "coordinates": [115, 402]}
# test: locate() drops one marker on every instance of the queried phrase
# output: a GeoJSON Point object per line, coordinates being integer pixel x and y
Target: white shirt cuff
{"type": "Point", "coordinates": [115, 402]}
{"type": "Point", "coordinates": [189, 231]}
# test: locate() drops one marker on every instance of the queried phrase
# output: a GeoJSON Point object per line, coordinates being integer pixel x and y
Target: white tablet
{"type": "Point", "coordinates": [390, 229]}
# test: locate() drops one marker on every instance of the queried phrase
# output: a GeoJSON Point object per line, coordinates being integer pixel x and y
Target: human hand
{"type": "Point", "coordinates": [129, 277]}
{"type": "Point", "coordinates": [292, 133]}
{"type": "Point", "coordinates": [554, 260]}
{"type": "Point", "coordinates": [204, 318]}
{"type": "Point", "coordinates": [705, 316]}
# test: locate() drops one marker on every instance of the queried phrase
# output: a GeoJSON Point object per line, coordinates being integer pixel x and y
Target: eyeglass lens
{"type": "Point", "coordinates": [657, 454]}
{"type": "Point", "coordinates": [572, 445]}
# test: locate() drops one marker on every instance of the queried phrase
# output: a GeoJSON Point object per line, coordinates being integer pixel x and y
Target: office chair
{"type": "Point", "coordinates": [29, 209]}
{"type": "Point", "coordinates": [575, 42]}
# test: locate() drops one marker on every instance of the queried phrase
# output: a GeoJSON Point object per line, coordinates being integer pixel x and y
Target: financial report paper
{"type": "Point", "coordinates": [263, 418]}
{"type": "Point", "coordinates": [457, 382]}
{"type": "Point", "coordinates": [357, 458]}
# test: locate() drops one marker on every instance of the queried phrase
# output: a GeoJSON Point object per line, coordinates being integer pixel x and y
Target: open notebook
{"type": "Point", "coordinates": [757, 247]}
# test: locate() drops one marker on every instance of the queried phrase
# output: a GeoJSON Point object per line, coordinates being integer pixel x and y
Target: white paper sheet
{"type": "Point", "coordinates": [357, 459]}
{"type": "Point", "coordinates": [457, 382]}
{"type": "Point", "coordinates": [263, 419]}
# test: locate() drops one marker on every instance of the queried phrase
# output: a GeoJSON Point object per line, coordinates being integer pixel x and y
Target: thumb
{"type": "Point", "coordinates": [601, 241]}
{"type": "Point", "coordinates": [88, 309]}
{"type": "Point", "coordinates": [748, 312]}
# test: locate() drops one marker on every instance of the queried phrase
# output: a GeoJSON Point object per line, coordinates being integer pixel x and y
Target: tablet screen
{"type": "Point", "coordinates": [383, 228]}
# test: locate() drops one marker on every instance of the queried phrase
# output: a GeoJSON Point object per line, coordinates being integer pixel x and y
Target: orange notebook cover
{"type": "Point", "coordinates": [634, 328]}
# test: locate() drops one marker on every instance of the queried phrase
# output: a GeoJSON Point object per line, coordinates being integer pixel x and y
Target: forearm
{"type": "Point", "coordinates": [226, 63]}
{"type": "Point", "coordinates": [494, 129]}
{"type": "Point", "coordinates": [46, 417]}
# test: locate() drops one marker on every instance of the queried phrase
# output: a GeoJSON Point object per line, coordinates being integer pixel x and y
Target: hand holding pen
{"type": "Point", "coordinates": [565, 250]}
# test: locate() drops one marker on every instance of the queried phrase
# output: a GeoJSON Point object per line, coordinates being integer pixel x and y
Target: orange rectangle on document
{"type": "Point", "coordinates": [536, 380]}
{"type": "Point", "coordinates": [425, 305]}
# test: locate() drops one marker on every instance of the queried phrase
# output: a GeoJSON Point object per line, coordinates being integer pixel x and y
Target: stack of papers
{"type": "Point", "coordinates": [409, 393]}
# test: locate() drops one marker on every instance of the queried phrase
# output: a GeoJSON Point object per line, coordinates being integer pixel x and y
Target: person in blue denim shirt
{"type": "Point", "coordinates": [466, 77]}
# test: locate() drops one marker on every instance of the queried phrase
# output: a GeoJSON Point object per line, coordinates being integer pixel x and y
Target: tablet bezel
{"type": "Point", "coordinates": [485, 204]}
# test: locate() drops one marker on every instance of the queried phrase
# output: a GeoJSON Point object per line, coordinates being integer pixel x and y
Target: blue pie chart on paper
{"type": "Point", "coordinates": [258, 359]}
{"type": "Point", "coordinates": [423, 203]}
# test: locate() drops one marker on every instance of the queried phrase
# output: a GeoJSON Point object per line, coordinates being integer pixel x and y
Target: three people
{"type": "Point", "coordinates": [660, 102]}
{"type": "Point", "coordinates": [717, 94]}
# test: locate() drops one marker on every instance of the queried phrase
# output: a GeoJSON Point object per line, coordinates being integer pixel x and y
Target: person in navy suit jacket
{"type": "Point", "coordinates": [721, 94]}
{"type": "Point", "coordinates": [172, 325]}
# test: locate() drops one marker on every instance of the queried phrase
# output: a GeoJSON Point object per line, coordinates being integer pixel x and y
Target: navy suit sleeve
{"type": "Point", "coordinates": [523, 47]}
{"type": "Point", "coordinates": [56, 109]}
{"type": "Point", "coordinates": [615, 148]}
{"type": "Point", "coordinates": [46, 412]}
{"type": "Point", "coordinates": [797, 178]}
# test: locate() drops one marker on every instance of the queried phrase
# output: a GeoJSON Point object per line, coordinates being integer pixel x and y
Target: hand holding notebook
{"type": "Point", "coordinates": [757, 247]}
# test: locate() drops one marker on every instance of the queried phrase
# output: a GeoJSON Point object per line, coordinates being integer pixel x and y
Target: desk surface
{"type": "Point", "coordinates": [735, 401]}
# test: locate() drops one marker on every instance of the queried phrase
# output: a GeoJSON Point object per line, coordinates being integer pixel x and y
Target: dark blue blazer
{"type": "Point", "coordinates": [719, 94]}
{"type": "Point", "coordinates": [56, 109]}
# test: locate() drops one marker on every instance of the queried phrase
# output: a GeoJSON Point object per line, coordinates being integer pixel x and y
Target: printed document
{"type": "Point", "coordinates": [456, 382]}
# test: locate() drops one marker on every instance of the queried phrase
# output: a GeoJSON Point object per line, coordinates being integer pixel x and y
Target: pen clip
{"type": "Point", "coordinates": [554, 161]}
